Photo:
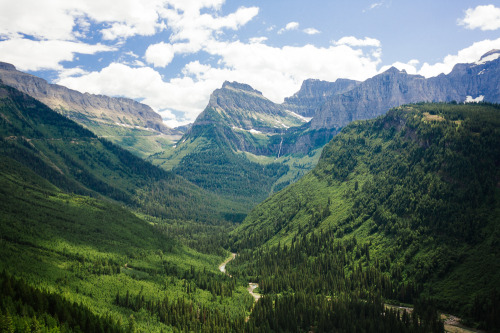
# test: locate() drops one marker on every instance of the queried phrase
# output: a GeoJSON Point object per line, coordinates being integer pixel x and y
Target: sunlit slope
{"type": "Point", "coordinates": [414, 192]}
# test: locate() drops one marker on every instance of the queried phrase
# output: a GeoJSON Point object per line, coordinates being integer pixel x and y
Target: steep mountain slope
{"type": "Point", "coordinates": [406, 205]}
{"type": "Point", "coordinates": [313, 93]}
{"type": "Point", "coordinates": [133, 125]}
{"type": "Point", "coordinates": [376, 95]}
{"type": "Point", "coordinates": [244, 108]}
{"type": "Point", "coordinates": [218, 151]}
{"type": "Point", "coordinates": [88, 253]}
{"type": "Point", "coordinates": [75, 160]}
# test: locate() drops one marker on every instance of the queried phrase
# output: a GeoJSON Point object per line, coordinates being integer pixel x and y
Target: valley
{"type": "Point", "coordinates": [310, 215]}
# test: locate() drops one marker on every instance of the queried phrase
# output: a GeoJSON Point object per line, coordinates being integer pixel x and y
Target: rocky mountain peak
{"type": "Point", "coordinates": [7, 67]}
{"type": "Point", "coordinates": [313, 93]}
{"type": "Point", "coordinates": [239, 86]}
{"type": "Point", "coordinates": [87, 109]}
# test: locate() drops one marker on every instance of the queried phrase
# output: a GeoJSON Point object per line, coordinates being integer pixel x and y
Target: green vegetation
{"type": "Point", "coordinates": [140, 141]}
{"type": "Point", "coordinates": [76, 161]}
{"type": "Point", "coordinates": [88, 250]}
{"type": "Point", "coordinates": [405, 206]}
{"type": "Point", "coordinates": [304, 313]}
{"type": "Point", "coordinates": [211, 162]}
{"type": "Point", "coordinates": [401, 209]}
{"type": "Point", "coordinates": [69, 237]}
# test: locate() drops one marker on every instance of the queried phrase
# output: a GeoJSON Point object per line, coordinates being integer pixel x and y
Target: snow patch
{"type": "Point", "coordinates": [478, 99]}
{"type": "Point", "coordinates": [298, 116]}
{"type": "Point", "coordinates": [481, 72]}
{"type": "Point", "coordinates": [136, 127]}
{"type": "Point", "coordinates": [253, 131]}
{"type": "Point", "coordinates": [486, 59]}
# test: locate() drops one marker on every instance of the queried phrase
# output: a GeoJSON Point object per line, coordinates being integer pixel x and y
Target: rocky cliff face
{"type": "Point", "coordinates": [314, 93]}
{"type": "Point", "coordinates": [85, 108]}
{"type": "Point", "coordinates": [244, 108]}
{"type": "Point", "coordinates": [478, 81]}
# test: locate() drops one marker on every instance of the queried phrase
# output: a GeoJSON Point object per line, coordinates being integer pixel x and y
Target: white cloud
{"type": "Point", "coordinates": [373, 6]}
{"type": "Point", "coordinates": [160, 55]}
{"type": "Point", "coordinates": [356, 42]}
{"type": "Point", "coordinates": [191, 30]}
{"type": "Point", "coordinates": [257, 39]}
{"type": "Point", "coordinates": [278, 72]}
{"type": "Point", "coordinates": [312, 31]}
{"type": "Point", "coordinates": [289, 26]}
{"type": "Point", "coordinates": [30, 55]}
{"type": "Point", "coordinates": [467, 55]}
{"type": "Point", "coordinates": [482, 17]}
{"type": "Point", "coordinates": [57, 19]}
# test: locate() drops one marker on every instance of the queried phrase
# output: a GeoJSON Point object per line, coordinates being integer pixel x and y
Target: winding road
{"type": "Point", "coordinates": [251, 286]}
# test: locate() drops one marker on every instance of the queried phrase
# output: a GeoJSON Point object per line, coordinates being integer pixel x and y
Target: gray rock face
{"type": "Point", "coordinates": [242, 107]}
{"type": "Point", "coordinates": [314, 93]}
{"type": "Point", "coordinates": [86, 107]}
{"type": "Point", "coordinates": [375, 96]}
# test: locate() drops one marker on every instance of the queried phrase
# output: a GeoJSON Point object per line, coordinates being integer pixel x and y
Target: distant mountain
{"type": "Point", "coordinates": [313, 93]}
{"type": "Point", "coordinates": [233, 147]}
{"type": "Point", "coordinates": [183, 128]}
{"type": "Point", "coordinates": [240, 121]}
{"type": "Point", "coordinates": [406, 204]}
{"type": "Point", "coordinates": [478, 81]}
{"type": "Point", "coordinates": [126, 122]}
{"type": "Point", "coordinates": [245, 109]}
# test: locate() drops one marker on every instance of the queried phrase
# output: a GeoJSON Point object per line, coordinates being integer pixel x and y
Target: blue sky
{"type": "Point", "coordinates": [171, 54]}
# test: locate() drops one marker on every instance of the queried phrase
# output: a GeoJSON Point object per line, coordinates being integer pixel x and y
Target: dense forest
{"type": "Point", "coordinates": [405, 205]}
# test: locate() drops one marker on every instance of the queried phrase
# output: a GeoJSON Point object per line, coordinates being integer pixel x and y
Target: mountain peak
{"type": "Point", "coordinates": [7, 66]}
{"type": "Point", "coordinates": [239, 86]}
{"type": "Point", "coordinates": [394, 70]}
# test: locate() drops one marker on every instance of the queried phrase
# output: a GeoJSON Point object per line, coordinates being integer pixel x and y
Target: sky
{"type": "Point", "coordinates": [172, 54]}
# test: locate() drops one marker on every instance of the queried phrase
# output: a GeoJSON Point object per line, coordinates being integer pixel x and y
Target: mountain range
{"type": "Point", "coordinates": [244, 145]}
{"type": "Point", "coordinates": [132, 125]}
{"type": "Point", "coordinates": [240, 121]}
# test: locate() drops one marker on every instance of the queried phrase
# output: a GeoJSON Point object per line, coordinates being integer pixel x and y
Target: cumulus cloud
{"type": "Point", "coordinates": [49, 53]}
{"type": "Point", "coordinates": [482, 17]}
{"type": "Point", "coordinates": [160, 55]}
{"type": "Point", "coordinates": [57, 19]}
{"type": "Point", "coordinates": [257, 39]}
{"type": "Point", "coordinates": [356, 42]}
{"type": "Point", "coordinates": [467, 55]}
{"type": "Point", "coordinates": [312, 31]}
{"type": "Point", "coordinates": [288, 27]}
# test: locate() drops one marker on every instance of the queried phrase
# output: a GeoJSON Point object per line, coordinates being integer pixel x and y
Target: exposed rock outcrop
{"type": "Point", "coordinates": [84, 108]}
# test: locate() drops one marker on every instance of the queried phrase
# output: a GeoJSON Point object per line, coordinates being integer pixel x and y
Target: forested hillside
{"type": "Point", "coordinates": [75, 256]}
{"type": "Point", "coordinates": [75, 160]}
{"type": "Point", "coordinates": [404, 206]}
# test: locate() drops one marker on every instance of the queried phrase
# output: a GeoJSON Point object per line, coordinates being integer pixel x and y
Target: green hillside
{"type": "Point", "coordinates": [92, 252]}
{"type": "Point", "coordinates": [76, 161]}
{"type": "Point", "coordinates": [74, 256]}
{"type": "Point", "coordinates": [405, 206]}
